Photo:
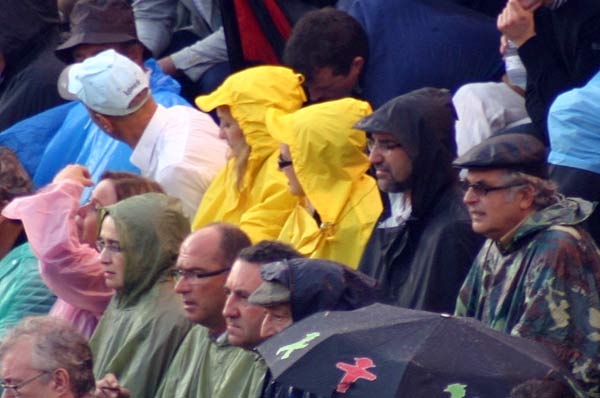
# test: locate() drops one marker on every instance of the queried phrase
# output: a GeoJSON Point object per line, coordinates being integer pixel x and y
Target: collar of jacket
{"type": "Point", "coordinates": [567, 211]}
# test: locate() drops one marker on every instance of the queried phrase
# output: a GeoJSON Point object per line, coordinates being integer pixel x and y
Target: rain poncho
{"type": "Point", "coordinates": [573, 125]}
{"type": "Point", "coordinates": [144, 323]}
{"type": "Point", "coordinates": [22, 291]}
{"type": "Point", "coordinates": [542, 282]}
{"type": "Point", "coordinates": [262, 203]}
{"type": "Point", "coordinates": [70, 268]}
{"type": "Point", "coordinates": [422, 262]}
{"type": "Point", "coordinates": [204, 368]}
{"type": "Point", "coordinates": [330, 163]}
{"type": "Point", "coordinates": [76, 139]}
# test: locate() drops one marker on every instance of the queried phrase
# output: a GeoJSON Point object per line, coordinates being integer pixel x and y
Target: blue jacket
{"type": "Point", "coordinates": [573, 125]}
{"type": "Point", "coordinates": [424, 43]}
{"type": "Point", "coordinates": [47, 142]}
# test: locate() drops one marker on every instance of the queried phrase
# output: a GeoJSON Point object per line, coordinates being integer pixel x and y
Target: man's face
{"type": "Point", "coordinates": [17, 370]}
{"type": "Point", "coordinates": [243, 319]}
{"type": "Point", "coordinates": [496, 213]}
{"type": "Point", "coordinates": [203, 297]}
{"type": "Point", "coordinates": [86, 217]}
{"type": "Point", "coordinates": [393, 167]}
{"type": "Point", "coordinates": [277, 318]}
{"type": "Point", "coordinates": [111, 256]}
{"type": "Point", "coordinates": [326, 85]}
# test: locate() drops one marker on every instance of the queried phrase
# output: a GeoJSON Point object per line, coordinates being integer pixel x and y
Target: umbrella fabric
{"type": "Point", "coordinates": [384, 351]}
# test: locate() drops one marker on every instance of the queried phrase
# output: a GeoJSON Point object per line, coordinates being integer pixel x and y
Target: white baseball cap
{"type": "Point", "coordinates": [106, 83]}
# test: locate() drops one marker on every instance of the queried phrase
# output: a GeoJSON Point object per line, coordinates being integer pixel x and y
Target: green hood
{"type": "Point", "coordinates": [567, 211]}
{"type": "Point", "coordinates": [151, 228]}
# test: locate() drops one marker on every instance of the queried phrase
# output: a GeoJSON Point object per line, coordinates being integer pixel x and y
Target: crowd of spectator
{"type": "Point", "coordinates": [182, 180]}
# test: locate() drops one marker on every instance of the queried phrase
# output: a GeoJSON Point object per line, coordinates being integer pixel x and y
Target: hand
{"type": "Point", "coordinates": [75, 172]}
{"type": "Point", "coordinates": [516, 22]}
{"type": "Point", "coordinates": [503, 45]}
{"type": "Point", "coordinates": [109, 387]}
{"type": "Point", "coordinates": [167, 66]}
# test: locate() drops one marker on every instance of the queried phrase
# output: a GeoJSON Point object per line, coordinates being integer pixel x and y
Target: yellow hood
{"type": "Point", "coordinates": [250, 92]}
{"type": "Point", "coordinates": [327, 153]}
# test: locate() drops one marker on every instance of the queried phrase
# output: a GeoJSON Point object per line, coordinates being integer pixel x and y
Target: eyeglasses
{"type": "Point", "coordinates": [385, 145]}
{"type": "Point", "coordinates": [482, 189]}
{"type": "Point", "coordinates": [283, 163]}
{"type": "Point", "coordinates": [112, 246]}
{"type": "Point", "coordinates": [194, 276]}
{"type": "Point", "coordinates": [13, 389]}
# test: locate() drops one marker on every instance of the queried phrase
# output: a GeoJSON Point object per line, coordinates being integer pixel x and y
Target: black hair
{"type": "Point", "coordinates": [325, 38]}
{"type": "Point", "coordinates": [268, 251]}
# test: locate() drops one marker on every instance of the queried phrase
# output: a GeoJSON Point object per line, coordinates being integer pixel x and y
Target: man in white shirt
{"type": "Point", "coordinates": [179, 147]}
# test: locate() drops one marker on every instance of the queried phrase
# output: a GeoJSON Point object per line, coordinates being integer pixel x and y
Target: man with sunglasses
{"type": "Point", "coordinates": [538, 274]}
{"type": "Point", "coordinates": [423, 245]}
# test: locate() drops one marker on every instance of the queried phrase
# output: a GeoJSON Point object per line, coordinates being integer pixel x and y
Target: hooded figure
{"type": "Point", "coordinates": [421, 258]}
{"type": "Point", "coordinates": [313, 285]}
{"type": "Point", "coordinates": [308, 286]}
{"type": "Point", "coordinates": [338, 203]}
{"type": "Point", "coordinates": [144, 323]}
{"type": "Point", "coordinates": [28, 68]}
{"type": "Point", "coordinates": [254, 197]}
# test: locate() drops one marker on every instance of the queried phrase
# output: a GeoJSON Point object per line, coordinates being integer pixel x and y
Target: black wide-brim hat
{"type": "Point", "coordinates": [99, 22]}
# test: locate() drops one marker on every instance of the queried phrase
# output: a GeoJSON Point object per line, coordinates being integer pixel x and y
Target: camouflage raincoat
{"type": "Point", "coordinates": [543, 282]}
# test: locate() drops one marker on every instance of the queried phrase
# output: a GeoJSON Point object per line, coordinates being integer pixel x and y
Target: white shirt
{"type": "Point", "coordinates": [400, 210]}
{"type": "Point", "coordinates": [181, 149]}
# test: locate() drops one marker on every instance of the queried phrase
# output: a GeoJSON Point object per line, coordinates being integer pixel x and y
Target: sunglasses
{"type": "Point", "coordinates": [482, 189]}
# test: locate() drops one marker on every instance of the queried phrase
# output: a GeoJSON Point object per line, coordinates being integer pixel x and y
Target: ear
{"type": "Point", "coordinates": [526, 197]}
{"type": "Point", "coordinates": [61, 381]}
{"type": "Point", "coordinates": [105, 123]}
{"type": "Point", "coordinates": [357, 66]}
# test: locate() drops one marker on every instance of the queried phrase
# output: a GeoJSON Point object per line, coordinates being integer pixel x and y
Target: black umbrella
{"type": "Point", "coordinates": [383, 351]}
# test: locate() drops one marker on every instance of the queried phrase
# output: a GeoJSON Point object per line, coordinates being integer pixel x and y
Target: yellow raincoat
{"type": "Point", "coordinates": [263, 202]}
{"type": "Point", "coordinates": [330, 164]}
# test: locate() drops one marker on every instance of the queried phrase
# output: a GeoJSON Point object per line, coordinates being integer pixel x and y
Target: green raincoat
{"type": "Point", "coordinates": [205, 368]}
{"type": "Point", "coordinates": [144, 323]}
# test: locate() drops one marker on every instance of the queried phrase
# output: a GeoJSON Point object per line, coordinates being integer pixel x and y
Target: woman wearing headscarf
{"type": "Point", "coordinates": [250, 192]}
{"type": "Point", "coordinates": [323, 158]}
{"type": "Point", "coordinates": [144, 323]}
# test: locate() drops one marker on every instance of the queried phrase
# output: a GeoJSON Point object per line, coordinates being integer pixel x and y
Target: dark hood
{"type": "Point", "coordinates": [22, 21]}
{"type": "Point", "coordinates": [320, 285]}
{"type": "Point", "coordinates": [423, 122]}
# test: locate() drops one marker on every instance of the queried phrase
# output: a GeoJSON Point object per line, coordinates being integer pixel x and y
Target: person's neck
{"type": "Point", "coordinates": [135, 126]}
{"type": "Point", "coordinates": [215, 332]}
